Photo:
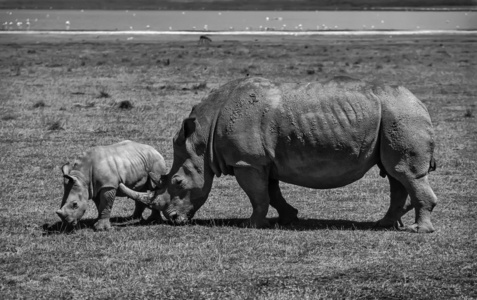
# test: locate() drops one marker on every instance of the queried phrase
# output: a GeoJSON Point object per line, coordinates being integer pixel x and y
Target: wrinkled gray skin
{"type": "Point", "coordinates": [316, 135]}
{"type": "Point", "coordinates": [98, 173]}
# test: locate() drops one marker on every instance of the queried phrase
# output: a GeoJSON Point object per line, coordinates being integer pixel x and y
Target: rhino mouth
{"type": "Point", "coordinates": [176, 218]}
{"type": "Point", "coordinates": [67, 219]}
{"type": "Point", "coordinates": [70, 221]}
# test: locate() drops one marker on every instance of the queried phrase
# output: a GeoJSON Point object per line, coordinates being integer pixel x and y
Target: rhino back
{"type": "Point", "coordinates": [127, 162]}
{"type": "Point", "coordinates": [316, 134]}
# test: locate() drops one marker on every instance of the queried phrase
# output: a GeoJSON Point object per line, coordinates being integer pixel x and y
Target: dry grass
{"type": "Point", "coordinates": [331, 253]}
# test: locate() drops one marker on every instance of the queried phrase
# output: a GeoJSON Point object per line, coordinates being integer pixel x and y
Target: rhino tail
{"type": "Point", "coordinates": [382, 171]}
{"type": "Point", "coordinates": [144, 198]}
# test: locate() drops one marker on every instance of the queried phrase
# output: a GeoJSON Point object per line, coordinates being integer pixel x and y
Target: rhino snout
{"type": "Point", "coordinates": [65, 218]}
{"type": "Point", "coordinates": [61, 214]}
{"type": "Point", "coordinates": [176, 218]}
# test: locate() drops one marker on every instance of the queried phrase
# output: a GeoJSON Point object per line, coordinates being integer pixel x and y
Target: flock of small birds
{"type": "Point", "coordinates": [28, 24]}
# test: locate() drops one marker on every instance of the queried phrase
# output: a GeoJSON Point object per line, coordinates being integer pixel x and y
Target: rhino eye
{"type": "Point", "coordinates": [74, 205]}
{"type": "Point", "coordinates": [178, 182]}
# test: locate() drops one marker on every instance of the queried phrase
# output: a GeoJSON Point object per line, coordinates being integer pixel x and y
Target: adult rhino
{"type": "Point", "coordinates": [316, 135]}
{"type": "Point", "coordinates": [97, 174]}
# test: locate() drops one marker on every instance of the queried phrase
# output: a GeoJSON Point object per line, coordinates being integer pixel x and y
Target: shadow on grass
{"type": "Point", "coordinates": [64, 228]}
{"type": "Point", "coordinates": [300, 225]}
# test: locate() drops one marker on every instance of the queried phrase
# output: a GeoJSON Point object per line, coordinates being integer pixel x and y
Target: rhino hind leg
{"type": "Point", "coordinates": [422, 197]}
{"type": "Point", "coordinates": [287, 214]}
{"type": "Point", "coordinates": [397, 206]}
{"type": "Point", "coordinates": [254, 182]}
{"type": "Point", "coordinates": [105, 205]}
{"type": "Point", "coordinates": [423, 200]}
{"type": "Point", "coordinates": [411, 171]}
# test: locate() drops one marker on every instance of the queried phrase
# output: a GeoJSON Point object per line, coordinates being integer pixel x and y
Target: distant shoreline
{"type": "Point", "coordinates": [463, 8]}
{"type": "Point", "coordinates": [244, 33]}
{"type": "Point", "coordinates": [247, 5]}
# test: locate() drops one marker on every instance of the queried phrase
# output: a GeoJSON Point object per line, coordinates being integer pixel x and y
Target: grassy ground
{"type": "Point", "coordinates": [62, 96]}
{"type": "Point", "coordinates": [235, 4]}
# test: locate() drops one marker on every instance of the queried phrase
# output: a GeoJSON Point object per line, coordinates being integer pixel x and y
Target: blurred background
{"type": "Point", "coordinates": [240, 15]}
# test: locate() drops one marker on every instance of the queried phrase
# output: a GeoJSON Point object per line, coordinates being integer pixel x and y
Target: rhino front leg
{"type": "Point", "coordinates": [105, 205]}
{"type": "Point", "coordinates": [397, 207]}
{"type": "Point", "coordinates": [286, 213]}
{"type": "Point", "coordinates": [255, 184]}
{"type": "Point", "coordinates": [138, 210]}
{"type": "Point", "coordinates": [155, 217]}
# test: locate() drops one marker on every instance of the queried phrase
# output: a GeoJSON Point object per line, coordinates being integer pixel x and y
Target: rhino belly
{"type": "Point", "coordinates": [322, 172]}
{"type": "Point", "coordinates": [327, 143]}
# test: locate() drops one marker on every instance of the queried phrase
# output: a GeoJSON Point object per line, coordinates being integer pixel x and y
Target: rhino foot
{"type": "Point", "coordinates": [103, 225]}
{"type": "Point", "coordinates": [389, 223]}
{"type": "Point", "coordinates": [256, 224]}
{"type": "Point", "coordinates": [153, 219]}
{"type": "Point", "coordinates": [416, 228]}
{"type": "Point", "coordinates": [287, 220]}
{"type": "Point", "coordinates": [133, 218]}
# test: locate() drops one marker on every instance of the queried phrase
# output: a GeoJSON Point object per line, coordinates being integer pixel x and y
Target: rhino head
{"type": "Point", "coordinates": [75, 197]}
{"type": "Point", "coordinates": [190, 178]}
{"type": "Point", "coordinates": [186, 188]}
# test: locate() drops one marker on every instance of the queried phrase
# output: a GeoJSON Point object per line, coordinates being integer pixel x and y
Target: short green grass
{"type": "Point", "coordinates": [61, 96]}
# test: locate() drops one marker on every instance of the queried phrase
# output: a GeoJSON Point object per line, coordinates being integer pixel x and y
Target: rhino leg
{"type": "Point", "coordinates": [255, 184]}
{"type": "Point", "coordinates": [397, 207]}
{"type": "Point", "coordinates": [413, 175]}
{"type": "Point", "coordinates": [138, 210]}
{"type": "Point", "coordinates": [423, 200]}
{"type": "Point", "coordinates": [286, 213]}
{"type": "Point", "coordinates": [105, 204]}
{"type": "Point", "coordinates": [155, 217]}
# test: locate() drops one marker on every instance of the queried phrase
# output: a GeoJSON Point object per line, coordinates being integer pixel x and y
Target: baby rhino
{"type": "Point", "coordinates": [97, 174]}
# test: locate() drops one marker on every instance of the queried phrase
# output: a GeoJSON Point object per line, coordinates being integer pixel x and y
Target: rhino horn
{"type": "Point", "coordinates": [138, 196]}
{"type": "Point", "coordinates": [66, 171]}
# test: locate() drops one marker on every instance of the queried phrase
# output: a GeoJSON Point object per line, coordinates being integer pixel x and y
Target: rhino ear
{"type": "Point", "coordinates": [188, 127]}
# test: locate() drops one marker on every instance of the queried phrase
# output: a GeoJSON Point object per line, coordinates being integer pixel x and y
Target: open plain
{"type": "Point", "coordinates": [61, 95]}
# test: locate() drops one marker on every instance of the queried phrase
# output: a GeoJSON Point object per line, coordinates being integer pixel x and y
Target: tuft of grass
{"type": "Point", "coordinates": [103, 93]}
{"type": "Point", "coordinates": [55, 125]}
{"type": "Point", "coordinates": [125, 104]}
{"type": "Point", "coordinates": [39, 104]}
{"type": "Point", "coordinates": [469, 113]}
{"type": "Point", "coordinates": [9, 117]}
{"type": "Point", "coordinates": [200, 86]}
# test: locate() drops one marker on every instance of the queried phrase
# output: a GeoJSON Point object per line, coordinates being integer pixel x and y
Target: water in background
{"type": "Point", "coordinates": [235, 20]}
